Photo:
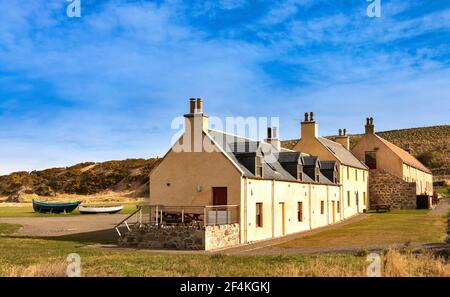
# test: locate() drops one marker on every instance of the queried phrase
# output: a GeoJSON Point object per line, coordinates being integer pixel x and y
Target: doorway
{"type": "Point", "coordinates": [220, 196]}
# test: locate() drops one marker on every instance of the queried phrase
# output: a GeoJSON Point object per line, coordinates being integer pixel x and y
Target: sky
{"type": "Point", "coordinates": [107, 85]}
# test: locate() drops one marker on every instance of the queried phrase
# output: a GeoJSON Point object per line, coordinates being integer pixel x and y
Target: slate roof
{"type": "Point", "coordinates": [234, 146]}
{"type": "Point", "coordinates": [342, 154]}
{"type": "Point", "coordinates": [406, 157]}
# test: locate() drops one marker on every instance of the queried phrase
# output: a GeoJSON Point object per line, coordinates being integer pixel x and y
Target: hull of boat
{"type": "Point", "coordinates": [100, 209]}
{"type": "Point", "coordinates": [47, 207]}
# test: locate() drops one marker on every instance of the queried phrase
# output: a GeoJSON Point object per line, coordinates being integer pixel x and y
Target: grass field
{"type": "Point", "coordinates": [47, 257]}
{"type": "Point", "coordinates": [443, 190]}
{"type": "Point", "coordinates": [397, 226]}
{"type": "Point", "coordinates": [26, 209]}
{"type": "Point", "coordinates": [39, 257]}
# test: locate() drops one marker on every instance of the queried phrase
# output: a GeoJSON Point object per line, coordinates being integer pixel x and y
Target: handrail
{"type": "Point", "coordinates": [139, 209]}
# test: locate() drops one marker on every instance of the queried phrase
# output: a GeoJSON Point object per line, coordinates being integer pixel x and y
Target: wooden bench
{"type": "Point", "coordinates": [383, 207]}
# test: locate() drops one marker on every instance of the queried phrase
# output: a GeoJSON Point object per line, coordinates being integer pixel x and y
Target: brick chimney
{"type": "Point", "coordinates": [343, 138]}
{"type": "Point", "coordinates": [309, 127]}
{"type": "Point", "coordinates": [196, 122]}
{"type": "Point", "coordinates": [272, 138]}
{"type": "Point", "coordinates": [370, 127]}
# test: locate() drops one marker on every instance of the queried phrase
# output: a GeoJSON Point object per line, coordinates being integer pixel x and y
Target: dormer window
{"type": "Point", "coordinates": [317, 174]}
{"type": "Point", "coordinates": [258, 169]}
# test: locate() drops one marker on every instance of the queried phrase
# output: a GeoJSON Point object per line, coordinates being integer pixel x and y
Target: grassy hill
{"type": "Point", "coordinates": [431, 145]}
{"type": "Point", "coordinates": [88, 178]}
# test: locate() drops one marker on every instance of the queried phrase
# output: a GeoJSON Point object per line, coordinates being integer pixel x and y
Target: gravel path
{"type": "Point", "coordinates": [442, 208]}
{"type": "Point", "coordinates": [82, 227]}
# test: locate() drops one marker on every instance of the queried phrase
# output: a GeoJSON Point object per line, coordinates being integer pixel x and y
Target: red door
{"type": "Point", "coordinates": [220, 196]}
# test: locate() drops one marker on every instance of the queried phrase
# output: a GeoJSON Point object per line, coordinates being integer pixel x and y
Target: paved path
{"type": "Point", "coordinates": [442, 208]}
{"type": "Point", "coordinates": [82, 227]}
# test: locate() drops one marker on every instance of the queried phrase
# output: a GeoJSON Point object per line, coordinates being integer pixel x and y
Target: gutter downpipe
{"type": "Point", "coordinates": [273, 208]}
{"type": "Point", "coordinates": [244, 227]}
{"type": "Point", "coordinates": [310, 206]}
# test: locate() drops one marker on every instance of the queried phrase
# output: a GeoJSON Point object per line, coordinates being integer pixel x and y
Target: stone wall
{"type": "Point", "coordinates": [385, 188]}
{"type": "Point", "coordinates": [181, 237]}
{"type": "Point", "coordinates": [221, 236]}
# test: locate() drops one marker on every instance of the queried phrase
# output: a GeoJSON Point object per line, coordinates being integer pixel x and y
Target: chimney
{"type": "Point", "coordinates": [272, 138]}
{"type": "Point", "coordinates": [370, 127]}
{"type": "Point", "coordinates": [343, 138]}
{"type": "Point", "coordinates": [196, 122]}
{"type": "Point", "coordinates": [309, 127]}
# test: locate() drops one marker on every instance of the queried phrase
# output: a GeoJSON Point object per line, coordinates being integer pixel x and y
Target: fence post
{"type": "Point", "coordinates": [204, 217]}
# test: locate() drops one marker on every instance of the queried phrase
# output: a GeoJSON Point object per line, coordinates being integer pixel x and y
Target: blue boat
{"type": "Point", "coordinates": [47, 207]}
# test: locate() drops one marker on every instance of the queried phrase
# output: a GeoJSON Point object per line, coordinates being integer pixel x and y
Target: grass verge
{"type": "Point", "coordinates": [397, 226]}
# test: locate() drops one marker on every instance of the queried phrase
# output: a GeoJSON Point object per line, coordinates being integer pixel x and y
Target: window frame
{"type": "Point", "coordinates": [259, 215]}
{"type": "Point", "coordinates": [300, 211]}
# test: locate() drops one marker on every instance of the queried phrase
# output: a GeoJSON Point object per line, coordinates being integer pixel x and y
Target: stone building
{"type": "Point", "coordinates": [396, 177]}
{"type": "Point", "coordinates": [352, 174]}
{"type": "Point", "coordinates": [251, 187]}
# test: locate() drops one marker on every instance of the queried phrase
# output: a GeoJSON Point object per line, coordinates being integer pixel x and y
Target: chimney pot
{"type": "Point", "coordinates": [274, 133]}
{"type": "Point", "coordinates": [199, 105]}
{"type": "Point", "coordinates": [192, 105]}
{"type": "Point", "coordinates": [311, 116]}
{"type": "Point", "coordinates": [340, 132]}
{"type": "Point", "coordinates": [306, 117]}
{"type": "Point", "coordinates": [345, 132]}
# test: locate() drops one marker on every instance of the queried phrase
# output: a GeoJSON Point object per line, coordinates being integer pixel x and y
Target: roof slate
{"type": "Point", "coordinates": [234, 145]}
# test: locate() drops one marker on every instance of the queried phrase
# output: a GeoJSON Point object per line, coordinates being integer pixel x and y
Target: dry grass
{"type": "Point", "coordinates": [394, 264]}
{"type": "Point", "coordinates": [49, 269]}
{"type": "Point", "coordinates": [397, 264]}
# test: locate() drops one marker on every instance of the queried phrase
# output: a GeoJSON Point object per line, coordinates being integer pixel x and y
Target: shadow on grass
{"type": "Point", "coordinates": [105, 236]}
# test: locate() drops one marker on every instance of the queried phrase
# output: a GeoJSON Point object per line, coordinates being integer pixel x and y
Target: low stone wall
{"type": "Point", "coordinates": [385, 188]}
{"type": "Point", "coordinates": [181, 237]}
{"type": "Point", "coordinates": [221, 236]}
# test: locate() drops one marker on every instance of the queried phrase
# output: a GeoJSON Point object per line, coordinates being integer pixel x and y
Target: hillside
{"type": "Point", "coordinates": [130, 176]}
{"type": "Point", "coordinates": [431, 145]}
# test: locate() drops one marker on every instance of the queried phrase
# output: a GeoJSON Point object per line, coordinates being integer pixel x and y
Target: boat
{"type": "Point", "coordinates": [86, 209]}
{"type": "Point", "coordinates": [54, 207]}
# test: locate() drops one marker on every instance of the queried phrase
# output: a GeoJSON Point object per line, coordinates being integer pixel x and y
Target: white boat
{"type": "Point", "coordinates": [99, 209]}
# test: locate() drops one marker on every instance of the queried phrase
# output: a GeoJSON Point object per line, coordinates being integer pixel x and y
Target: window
{"type": "Point", "coordinates": [322, 207]}
{"type": "Point", "coordinates": [356, 174]}
{"type": "Point", "coordinates": [338, 206]}
{"type": "Point", "coordinates": [259, 212]}
{"type": "Point", "coordinates": [348, 172]}
{"type": "Point", "coordinates": [364, 176]}
{"type": "Point", "coordinates": [348, 198]}
{"type": "Point", "coordinates": [259, 172]}
{"type": "Point", "coordinates": [371, 160]}
{"type": "Point", "coordinates": [365, 198]}
{"type": "Point", "coordinates": [300, 212]}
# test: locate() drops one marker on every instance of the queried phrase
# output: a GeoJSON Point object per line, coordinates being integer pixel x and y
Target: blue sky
{"type": "Point", "coordinates": [107, 85]}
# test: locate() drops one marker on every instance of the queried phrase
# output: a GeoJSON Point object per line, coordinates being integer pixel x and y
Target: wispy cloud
{"type": "Point", "coordinates": [107, 85]}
